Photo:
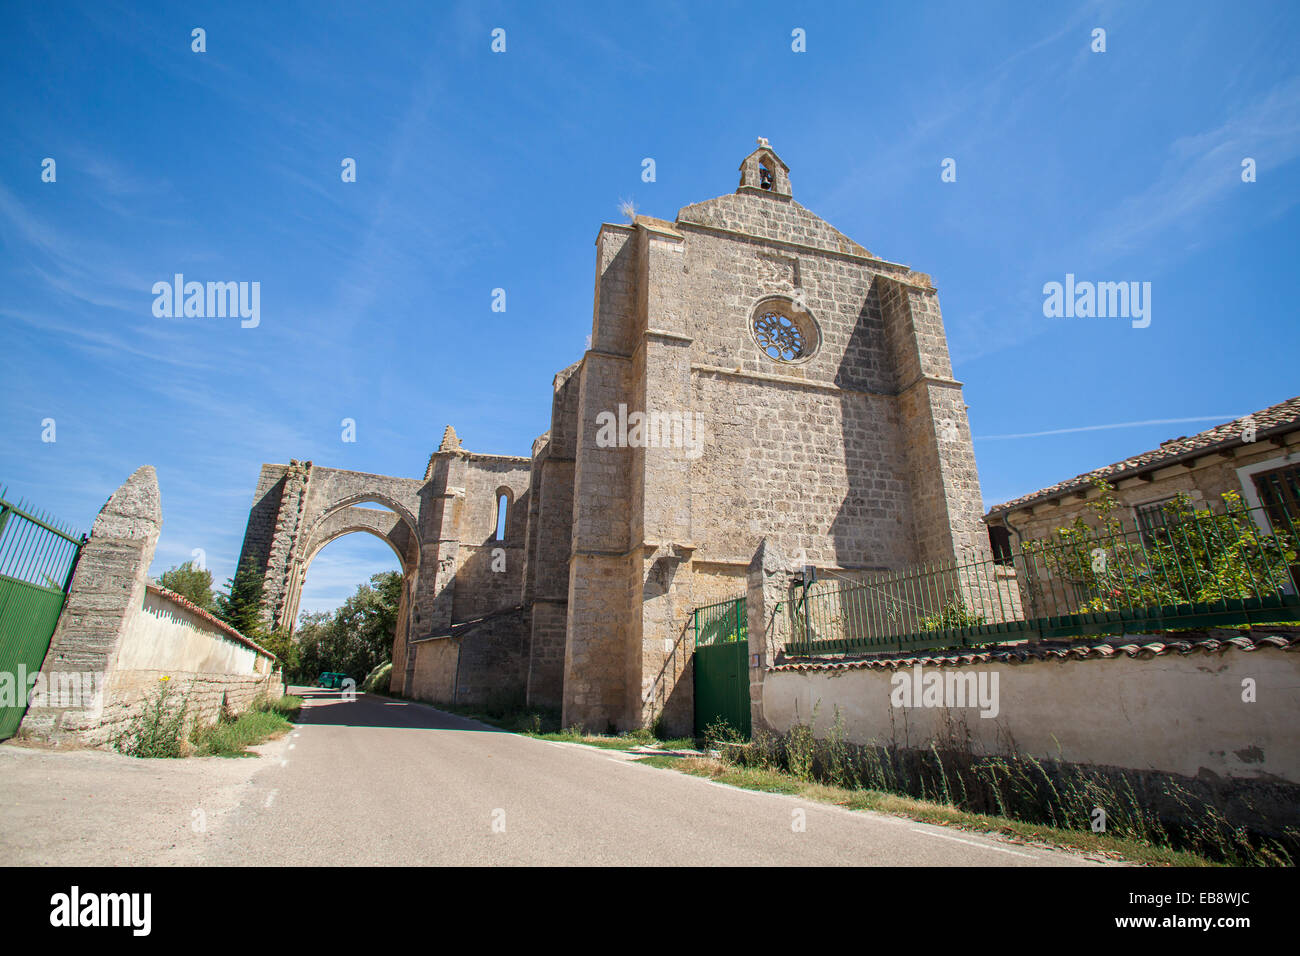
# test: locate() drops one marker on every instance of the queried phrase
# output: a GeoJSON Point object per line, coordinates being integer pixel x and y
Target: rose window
{"type": "Point", "coordinates": [783, 334]}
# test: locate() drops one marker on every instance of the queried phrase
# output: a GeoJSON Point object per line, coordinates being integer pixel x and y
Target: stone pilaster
{"type": "Point", "coordinates": [107, 591]}
{"type": "Point", "coordinates": [281, 563]}
{"type": "Point", "coordinates": [947, 506]}
{"type": "Point", "coordinates": [597, 656]}
{"type": "Point", "coordinates": [768, 588]}
{"type": "Point", "coordinates": [662, 592]}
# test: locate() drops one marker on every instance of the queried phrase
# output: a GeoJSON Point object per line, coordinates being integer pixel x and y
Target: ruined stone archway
{"type": "Point", "coordinates": [458, 578]}
{"type": "Point", "coordinates": [298, 509]}
{"type": "Point", "coordinates": [390, 527]}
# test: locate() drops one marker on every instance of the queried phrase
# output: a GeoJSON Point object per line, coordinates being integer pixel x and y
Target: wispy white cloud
{"type": "Point", "coordinates": [1202, 169]}
{"type": "Point", "coordinates": [1098, 428]}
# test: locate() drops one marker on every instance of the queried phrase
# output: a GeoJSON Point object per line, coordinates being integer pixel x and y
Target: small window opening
{"type": "Point", "coordinates": [1153, 520]}
{"type": "Point", "coordinates": [1000, 539]}
{"type": "Point", "coordinates": [764, 175]}
{"type": "Point", "coordinates": [503, 504]}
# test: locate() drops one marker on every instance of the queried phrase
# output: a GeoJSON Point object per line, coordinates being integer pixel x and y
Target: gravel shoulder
{"type": "Point", "coordinates": [95, 808]}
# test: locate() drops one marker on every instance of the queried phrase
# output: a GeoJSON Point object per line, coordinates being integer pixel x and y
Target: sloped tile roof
{"type": "Point", "coordinates": [1133, 646]}
{"type": "Point", "coordinates": [1276, 419]}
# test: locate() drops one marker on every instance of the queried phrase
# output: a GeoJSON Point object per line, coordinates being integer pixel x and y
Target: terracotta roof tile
{"type": "Point", "coordinates": [1286, 638]}
{"type": "Point", "coordinates": [1276, 419]}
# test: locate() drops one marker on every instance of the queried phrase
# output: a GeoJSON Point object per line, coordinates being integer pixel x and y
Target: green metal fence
{"type": "Point", "coordinates": [37, 558]}
{"type": "Point", "coordinates": [1185, 569]}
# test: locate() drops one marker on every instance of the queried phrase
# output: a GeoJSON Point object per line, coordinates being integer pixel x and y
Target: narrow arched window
{"type": "Point", "coordinates": [503, 505]}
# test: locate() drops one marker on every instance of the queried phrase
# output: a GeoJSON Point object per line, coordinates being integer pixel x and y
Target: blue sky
{"type": "Point", "coordinates": [478, 170]}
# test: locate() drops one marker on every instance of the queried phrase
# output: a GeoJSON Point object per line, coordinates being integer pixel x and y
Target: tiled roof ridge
{"type": "Point", "coordinates": [1286, 639]}
{"type": "Point", "coordinates": [1284, 416]}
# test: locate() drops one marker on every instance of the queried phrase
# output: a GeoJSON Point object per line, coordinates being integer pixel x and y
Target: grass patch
{"type": "Point", "coordinates": [513, 719]}
{"type": "Point", "coordinates": [159, 729]}
{"type": "Point", "coordinates": [231, 737]}
{"type": "Point", "coordinates": [1158, 820]}
{"type": "Point", "coordinates": [679, 743]}
{"type": "Point", "coordinates": [776, 781]}
{"type": "Point", "coordinates": [288, 706]}
{"type": "Point", "coordinates": [643, 737]}
{"type": "Point", "coordinates": [604, 741]}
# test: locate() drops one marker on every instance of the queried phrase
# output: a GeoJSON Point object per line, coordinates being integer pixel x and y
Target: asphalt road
{"type": "Point", "coordinates": [378, 781]}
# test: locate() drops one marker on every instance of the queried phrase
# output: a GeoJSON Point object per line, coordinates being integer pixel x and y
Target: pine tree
{"type": "Point", "coordinates": [241, 605]}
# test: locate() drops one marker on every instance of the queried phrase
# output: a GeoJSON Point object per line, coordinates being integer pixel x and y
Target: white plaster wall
{"type": "Point", "coordinates": [1172, 713]}
{"type": "Point", "coordinates": [163, 636]}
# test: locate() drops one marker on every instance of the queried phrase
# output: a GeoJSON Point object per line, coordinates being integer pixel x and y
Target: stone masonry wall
{"type": "Point", "coordinates": [596, 651]}
{"type": "Point", "coordinates": [551, 539]}
{"type": "Point", "coordinates": [479, 588]}
{"type": "Point", "coordinates": [483, 663]}
{"type": "Point", "coordinates": [134, 636]}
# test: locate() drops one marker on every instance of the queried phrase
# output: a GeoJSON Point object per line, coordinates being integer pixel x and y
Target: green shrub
{"type": "Point", "coordinates": [159, 729]}
{"type": "Point", "coordinates": [721, 736]}
{"type": "Point", "coordinates": [377, 680]}
{"type": "Point", "coordinates": [1190, 556]}
{"type": "Point", "coordinates": [954, 615]}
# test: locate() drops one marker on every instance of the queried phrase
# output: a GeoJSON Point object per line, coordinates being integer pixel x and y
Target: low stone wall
{"type": "Point", "coordinates": [121, 637]}
{"type": "Point", "coordinates": [1217, 712]}
{"type": "Point", "coordinates": [207, 663]}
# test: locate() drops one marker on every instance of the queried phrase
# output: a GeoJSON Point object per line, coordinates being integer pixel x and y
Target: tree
{"type": "Point", "coordinates": [284, 646]}
{"type": "Point", "coordinates": [241, 605]}
{"type": "Point", "coordinates": [358, 636]}
{"type": "Point", "coordinates": [190, 582]}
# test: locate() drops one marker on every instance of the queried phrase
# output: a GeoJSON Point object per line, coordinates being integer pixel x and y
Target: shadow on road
{"type": "Point", "coordinates": [332, 708]}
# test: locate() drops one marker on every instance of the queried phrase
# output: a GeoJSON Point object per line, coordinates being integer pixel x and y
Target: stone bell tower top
{"type": "Point", "coordinates": [763, 173]}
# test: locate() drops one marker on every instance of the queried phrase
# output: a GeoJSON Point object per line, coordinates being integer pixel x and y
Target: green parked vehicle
{"type": "Point", "coordinates": [331, 680]}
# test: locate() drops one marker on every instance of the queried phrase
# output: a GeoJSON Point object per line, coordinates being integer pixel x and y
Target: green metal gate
{"type": "Point", "coordinates": [37, 559]}
{"type": "Point", "coordinates": [722, 666]}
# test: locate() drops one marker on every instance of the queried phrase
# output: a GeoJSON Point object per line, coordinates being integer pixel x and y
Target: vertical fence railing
{"type": "Point", "coordinates": [721, 623]}
{"type": "Point", "coordinates": [36, 549]}
{"type": "Point", "coordinates": [1201, 568]}
{"type": "Point", "coordinates": [37, 558]}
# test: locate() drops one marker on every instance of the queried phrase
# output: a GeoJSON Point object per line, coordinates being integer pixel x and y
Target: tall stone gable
{"type": "Point", "coordinates": [755, 377]}
{"type": "Point", "coordinates": [815, 381]}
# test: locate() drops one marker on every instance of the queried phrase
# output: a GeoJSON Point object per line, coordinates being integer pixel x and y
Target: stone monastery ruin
{"type": "Point", "coordinates": [793, 388]}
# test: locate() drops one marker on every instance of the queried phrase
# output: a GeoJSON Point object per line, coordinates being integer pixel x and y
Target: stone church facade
{"type": "Point", "coordinates": [753, 374]}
